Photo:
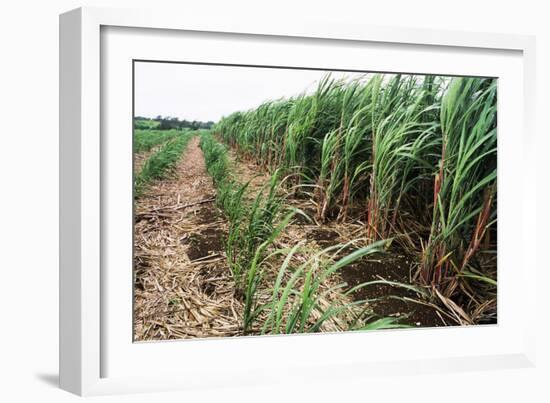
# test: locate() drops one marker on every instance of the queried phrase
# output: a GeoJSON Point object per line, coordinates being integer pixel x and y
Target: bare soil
{"type": "Point", "coordinates": [391, 300]}
{"type": "Point", "coordinates": [205, 243]}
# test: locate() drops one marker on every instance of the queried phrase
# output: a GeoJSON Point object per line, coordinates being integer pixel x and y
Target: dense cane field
{"type": "Point", "coordinates": [364, 204]}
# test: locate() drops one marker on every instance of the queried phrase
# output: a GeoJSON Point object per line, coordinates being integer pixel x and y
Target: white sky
{"type": "Point", "coordinates": [201, 92]}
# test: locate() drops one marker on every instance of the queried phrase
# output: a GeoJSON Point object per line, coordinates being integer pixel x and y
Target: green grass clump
{"type": "Point", "coordinates": [145, 140]}
{"type": "Point", "coordinates": [159, 164]}
{"type": "Point", "coordinates": [295, 304]}
{"type": "Point", "coordinates": [215, 157]}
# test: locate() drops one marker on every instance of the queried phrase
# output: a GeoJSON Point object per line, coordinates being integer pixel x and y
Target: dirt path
{"type": "Point", "coordinates": [183, 287]}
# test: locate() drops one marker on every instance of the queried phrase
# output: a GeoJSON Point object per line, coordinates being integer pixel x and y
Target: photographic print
{"type": "Point", "coordinates": [274, 200]}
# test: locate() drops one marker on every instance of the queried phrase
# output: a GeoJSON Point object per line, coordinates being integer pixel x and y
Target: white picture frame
{"type": "Point", "coordinates": [96, 354]}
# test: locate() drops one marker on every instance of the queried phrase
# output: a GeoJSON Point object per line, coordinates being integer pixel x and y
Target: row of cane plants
{"type": "Point", "coordinates": [159, 165]}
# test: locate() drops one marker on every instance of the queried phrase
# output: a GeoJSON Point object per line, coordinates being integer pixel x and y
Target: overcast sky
{"type": "Point", "coordinates": [202, 92]}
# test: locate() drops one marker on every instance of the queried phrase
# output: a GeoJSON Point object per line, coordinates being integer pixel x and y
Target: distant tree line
{"type": "Point", "coordinates": [168, 123]}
